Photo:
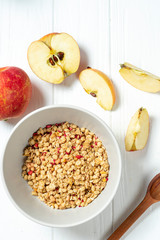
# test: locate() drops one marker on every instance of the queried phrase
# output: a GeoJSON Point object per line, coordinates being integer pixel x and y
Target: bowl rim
{"type": "Point", "coordinates": [118, 175]}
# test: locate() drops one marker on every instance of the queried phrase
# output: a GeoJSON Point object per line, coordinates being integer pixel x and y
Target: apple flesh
{"type": "Point", "coordinates": [98, 85]}
{"type": "Point", "coordinates": [139, 78]}
{"type": "Point", "coordinates": [54, 57]}
{"type": "Point", "coordinates": [15, 92]}
{"type": "Point", "coordinates": [138, 131]}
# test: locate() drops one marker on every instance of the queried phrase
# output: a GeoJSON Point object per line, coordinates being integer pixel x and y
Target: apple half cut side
{"type": "Point", "coordinates": [97, 84]}
{"type": "Point", "coordinates": [54, 57]}
{"type": "Point", "coordinates": [138, 131]}
{"type": "Point", "coordinates": [139, 78]}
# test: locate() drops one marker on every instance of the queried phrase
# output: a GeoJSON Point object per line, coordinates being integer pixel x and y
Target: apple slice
{"type": "Point", "coordinates": [97, 84]}
{"type": "Point", "coordinates": [138, 131]}
{"type": "Point", "coordinates": [139, 78]}
{"type": "Point", "coordinates": [54, 57]}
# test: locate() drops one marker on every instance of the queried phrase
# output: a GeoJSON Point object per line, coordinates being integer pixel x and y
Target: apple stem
{"type": "Point", "coordinates": [122, 65]}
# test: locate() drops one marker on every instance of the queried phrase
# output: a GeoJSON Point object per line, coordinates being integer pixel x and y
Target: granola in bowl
{"type": "Point", "coordinates": [66, 166]}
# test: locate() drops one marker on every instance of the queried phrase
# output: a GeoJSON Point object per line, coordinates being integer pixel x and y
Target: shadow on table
{"type": "Point", "coordinates": [37, 101]}
{"type": "Point", "coordinates": [95, 229]}
{"type": "Point", "coordinates": [118, 100]}
{"type": "Point", "coordinates": [131, 162]}
{"type": "Point", "coordinates": [69, 81]}
{"type": "Point", "coordinates": [137, 199]}
{"type": "Point", "coordinates": [141, 220]}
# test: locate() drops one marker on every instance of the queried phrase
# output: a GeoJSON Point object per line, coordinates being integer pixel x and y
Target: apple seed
{"type": "Point", "coordinates": [93, 94]}
{"type": "Point", "coordinates": [60, 55]}
{"type": "Point", "coordinates": [55, 58]}
{"type": "Point", "coordinates": [51, 61]}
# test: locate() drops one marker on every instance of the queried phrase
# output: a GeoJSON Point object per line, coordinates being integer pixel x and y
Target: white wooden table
{"type": "Point", "coordinates": [108, 32]}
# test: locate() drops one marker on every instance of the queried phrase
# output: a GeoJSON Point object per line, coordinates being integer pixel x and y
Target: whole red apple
{"type": "Point", "coordinates": [15, 92]}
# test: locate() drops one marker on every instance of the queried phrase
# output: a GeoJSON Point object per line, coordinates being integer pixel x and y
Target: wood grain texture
{"type": "Point", "coordinates": [108, 32]}
{"type": "Point", "coordinates": [21, 22]}
{"type": "Point", "coordinates": [88, 23]}
{"type": "Point", "coordinates": [122, 229]}
{"type": "Point", "coordinates": [134, 38]}
{"type": "Point", "coordinates": [152, 196]}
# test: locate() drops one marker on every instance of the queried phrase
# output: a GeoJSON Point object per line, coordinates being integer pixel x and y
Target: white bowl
{"type": "Point", "coordinates": [18, 190]}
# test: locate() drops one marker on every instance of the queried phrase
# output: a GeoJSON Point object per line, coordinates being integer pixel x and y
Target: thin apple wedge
{"type": "Point", "coordinates": [97, 84]}
{"type": "Point", "coordinates": [139, 78]}
{"type": "Point", "coordinates": [54, 57]}
{"type": "Point", "coordinates": [138, 131]}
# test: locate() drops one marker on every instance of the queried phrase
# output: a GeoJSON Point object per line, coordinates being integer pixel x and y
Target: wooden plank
{"type": "Point", "coordinates": [135, 38]}
{"type": "Point", "coordinates": [88, 23]}
{"type": "Point", "coordinates": [22, 22]}
{"type": "Point", "coordinates": [108, 33]}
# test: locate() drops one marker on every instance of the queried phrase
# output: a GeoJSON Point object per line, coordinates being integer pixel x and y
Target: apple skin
{"type": "Point", "coordinates": [139, 78]}
{"type": "Point", "coordinates": [96, 82]}
{"type": "Point", "coordinates": [47, 38]}
{"type": "Point", "coordinates": [15, 92]}
{"type": "Point", "coordinates": [137, 131]}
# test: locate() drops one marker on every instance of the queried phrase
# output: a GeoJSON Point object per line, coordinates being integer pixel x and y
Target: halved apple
{"type": "Point", "coordinates": [54, 57]}
{"type": "Point", "coordinates": [138, 131]}
{"type": "Point", "coordinates": [139, 78]}
{"type": "Point", "coordinates": [97, 84]}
